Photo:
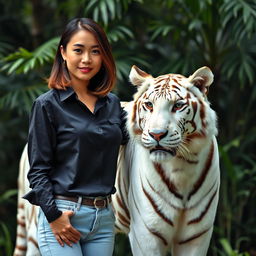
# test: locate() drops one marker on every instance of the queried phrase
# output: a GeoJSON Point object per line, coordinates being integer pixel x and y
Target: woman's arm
{"type": "Point", "coordinates": [41, 145]}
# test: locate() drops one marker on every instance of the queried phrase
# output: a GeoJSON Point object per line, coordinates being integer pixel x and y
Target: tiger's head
{"type": "Point", "coordinates": [170, 114]}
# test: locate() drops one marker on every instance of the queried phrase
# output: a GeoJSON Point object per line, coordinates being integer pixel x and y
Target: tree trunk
{"type": "Point", "coordinates": [37, 17]}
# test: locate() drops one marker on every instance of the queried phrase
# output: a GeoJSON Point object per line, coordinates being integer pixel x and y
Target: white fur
{"type": "Point", "coordinates": [136, 167]}
{"type": "Point", "coordinates": [26, 241]}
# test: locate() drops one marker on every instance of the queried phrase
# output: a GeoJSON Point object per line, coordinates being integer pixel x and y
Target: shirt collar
{"type": "Point", "coordinates": [65, 94]}
{"type": "Point", "coordinates": [104, 99]}
{"type": "Point", "coordinates": [69, 92]}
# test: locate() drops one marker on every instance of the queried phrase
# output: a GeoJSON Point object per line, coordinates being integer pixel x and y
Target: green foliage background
{"type": "Point", "coordinates": [159, 36]}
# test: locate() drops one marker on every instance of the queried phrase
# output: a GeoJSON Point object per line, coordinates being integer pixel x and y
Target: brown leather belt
{"type": "Point", "coordinates": [97, 202]}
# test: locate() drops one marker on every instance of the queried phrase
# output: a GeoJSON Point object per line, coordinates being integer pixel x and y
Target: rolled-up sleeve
{"type": "Point", "coordinates": [41, 144]}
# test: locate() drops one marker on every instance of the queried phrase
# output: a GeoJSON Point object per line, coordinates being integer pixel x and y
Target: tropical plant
{"type": "Point", "coordinates": [6, 246]}
{"type": "Point", "coordinates": [228, 251]}
{"type": "Point", "coordinates": [20, 95]}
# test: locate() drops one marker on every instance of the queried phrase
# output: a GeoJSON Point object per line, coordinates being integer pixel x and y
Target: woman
{"type": "Point", "coordinates": [74, 136]}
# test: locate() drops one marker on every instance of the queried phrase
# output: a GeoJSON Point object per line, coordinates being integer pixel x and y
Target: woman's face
{"type": "Point", "coordinates": [83, 57]}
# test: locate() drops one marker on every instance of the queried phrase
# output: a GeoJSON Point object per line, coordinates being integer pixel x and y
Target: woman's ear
{"type": "Point", "coordinates": [63, 53]}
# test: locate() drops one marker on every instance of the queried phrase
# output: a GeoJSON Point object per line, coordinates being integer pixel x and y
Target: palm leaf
{"type": "Point", "coordinates": [5, 239]}
{"type": "Point", "coordinates": [119, 33]}
{"type": "Point", "coordinates": [4, 48]}
{"type": "Point", "coordinates": [22, 98]}
{"type": "Point", "coordinates": [160, 29]}
{"type": "Point", "coordinates": [23, 61]}
{"type": "Point", "coordinates": [103, 10]}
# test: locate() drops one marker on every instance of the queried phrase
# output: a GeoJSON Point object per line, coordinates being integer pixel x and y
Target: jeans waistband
{"type": "Point", "coordinates": [97, 202]}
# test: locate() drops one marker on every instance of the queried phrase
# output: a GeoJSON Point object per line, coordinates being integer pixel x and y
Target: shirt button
{"type": "Point", "coordinates": [100, 130]}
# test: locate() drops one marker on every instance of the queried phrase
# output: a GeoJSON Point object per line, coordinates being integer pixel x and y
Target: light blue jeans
{"type": "Point", "coordinates": [95, 225]}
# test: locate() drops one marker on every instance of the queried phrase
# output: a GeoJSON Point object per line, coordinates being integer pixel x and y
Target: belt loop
{"type": "Point", "coordinates": [79, 202]}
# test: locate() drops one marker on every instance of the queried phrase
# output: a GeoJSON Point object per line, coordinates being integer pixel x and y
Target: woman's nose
{"type": "Point", "coordinates": [86, 58]}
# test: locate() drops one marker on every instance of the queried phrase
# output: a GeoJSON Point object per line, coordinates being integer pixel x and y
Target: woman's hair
{"type": "Point", "coordinates": [104, 81]}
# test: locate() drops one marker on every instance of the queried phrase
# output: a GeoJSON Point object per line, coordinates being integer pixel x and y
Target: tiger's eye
{"type": "Point", "coordinates": [149, 105]}
{"type": "Point", "coordinates": [178, 105]}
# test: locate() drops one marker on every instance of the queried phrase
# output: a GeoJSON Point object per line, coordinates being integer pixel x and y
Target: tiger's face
{"type": "Point", "coordinates": [171, 112]}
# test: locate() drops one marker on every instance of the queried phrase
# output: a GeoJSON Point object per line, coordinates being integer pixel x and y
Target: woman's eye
{"type": "Point", "coordinates": [149, 105]}
{"type": "Point", "coordinates": [78, 50]}
{"type": "Point", "coordinates": [95, 51]}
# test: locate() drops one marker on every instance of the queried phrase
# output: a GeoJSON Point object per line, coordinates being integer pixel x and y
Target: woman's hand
{"type": "Point", "coordinates": [64, 231]}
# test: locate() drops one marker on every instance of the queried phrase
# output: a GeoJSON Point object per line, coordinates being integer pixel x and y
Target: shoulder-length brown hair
{"type": "Point", "coordinates": [103, 82]}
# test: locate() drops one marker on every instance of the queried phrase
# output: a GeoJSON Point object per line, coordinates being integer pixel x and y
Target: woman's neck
{"type": "Point", "coordinates": [80, 88]}
{"type": "Point", "coordinates": [85, 96]}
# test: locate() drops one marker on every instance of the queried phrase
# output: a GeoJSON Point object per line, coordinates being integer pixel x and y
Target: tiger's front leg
{"type": "Point", "coordinates": [196, 247]}
{"type": "Point", "coordinates": [143, 242]}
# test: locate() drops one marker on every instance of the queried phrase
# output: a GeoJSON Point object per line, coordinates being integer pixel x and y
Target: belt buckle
{"type": "Point", "coordinates": [98, 198]}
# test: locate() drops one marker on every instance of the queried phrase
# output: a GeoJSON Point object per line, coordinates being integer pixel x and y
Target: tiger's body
{"type": "Point", "coordinates": [168, 178]}
{"type": "Point", "coordinates": [168, 173]}
{"type": "Point", "coordinates": [26, 241]}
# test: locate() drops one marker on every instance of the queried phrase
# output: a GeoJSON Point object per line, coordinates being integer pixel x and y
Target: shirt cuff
{"type": "Point", "coordinates": [52, 214]}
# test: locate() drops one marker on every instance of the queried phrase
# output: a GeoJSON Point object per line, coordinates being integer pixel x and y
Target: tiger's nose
{"type": "Point", "coordinates": [158, 134]}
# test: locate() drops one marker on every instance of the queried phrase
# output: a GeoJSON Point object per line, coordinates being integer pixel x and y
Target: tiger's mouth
{"type": "Point", "coordinates": [162, 149]}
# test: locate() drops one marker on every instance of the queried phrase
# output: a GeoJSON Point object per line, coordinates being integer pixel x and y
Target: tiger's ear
{"type": "Point", "coordinates": [138, 76]}
{"type": "Point", "coordinates": [202, 79]}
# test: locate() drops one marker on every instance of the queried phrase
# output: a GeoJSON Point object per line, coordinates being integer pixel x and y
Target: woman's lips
{"type": "Point", "coordinates": [85, 70]}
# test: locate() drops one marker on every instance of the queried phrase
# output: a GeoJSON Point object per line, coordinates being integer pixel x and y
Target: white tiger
{"type": "Point", "coordinates": [168, 178]}
{"type": "Point", "coordinates": [168, 174]}
{"type": "Point", "coordinates": [26, 241]}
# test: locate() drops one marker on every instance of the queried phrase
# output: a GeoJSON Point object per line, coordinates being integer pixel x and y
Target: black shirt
{"type": "Point", "coordinates": [72, 151]}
